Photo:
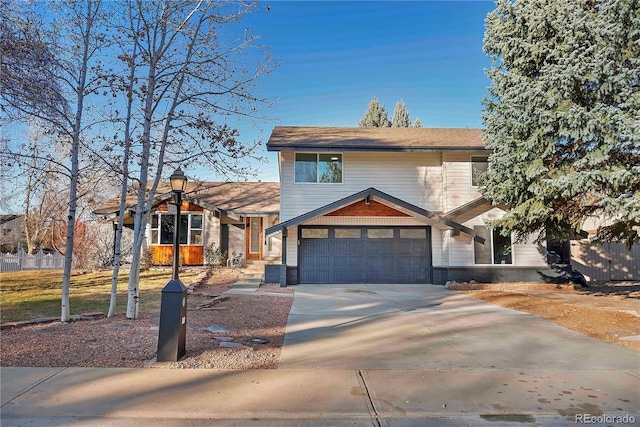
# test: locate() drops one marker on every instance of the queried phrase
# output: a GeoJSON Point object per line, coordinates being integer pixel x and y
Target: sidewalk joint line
{"type": "Point", "coordinates": [35, 385]}
{"type": "Point", "coordinates": [376, 417]}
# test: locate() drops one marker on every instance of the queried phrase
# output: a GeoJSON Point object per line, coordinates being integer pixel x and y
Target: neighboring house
{"type": "Point", "coordinates": [10, 232]}
{"type": "Point", "coordinates": [389, 205]}
{"type": "Point", "coordinates": [10, 223]}
{"type": "Point", "coordinates": [228, 215]}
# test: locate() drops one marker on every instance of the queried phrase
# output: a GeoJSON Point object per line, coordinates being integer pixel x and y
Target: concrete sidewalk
{"type": "Point", "coordinates": [124, 396]}
{"type": "Point", "coordinates": [364, 356]}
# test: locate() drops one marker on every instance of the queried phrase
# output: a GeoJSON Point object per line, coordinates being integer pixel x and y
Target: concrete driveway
{"type": "Point", "coordinates": [427, 349]}
{"type": "Point", "coordinates": [430, 327]}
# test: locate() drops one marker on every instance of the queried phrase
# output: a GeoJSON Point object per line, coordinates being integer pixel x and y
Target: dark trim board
{"type": "Point", "coordinates": [292, 275]}
{"type": "Point", "coordinates": [489, 274]}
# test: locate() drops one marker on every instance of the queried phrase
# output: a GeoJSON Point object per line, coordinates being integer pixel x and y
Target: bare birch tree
{"type": "Point", "coordinates": [189, 77]}
{"type": "Point", "coordinates": [49, 70]}
{"type": "Point", "coordinates": [179, 70]}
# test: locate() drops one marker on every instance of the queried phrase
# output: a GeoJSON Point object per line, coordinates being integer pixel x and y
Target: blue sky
{"type": "Point", "coordinates": [335, 56]}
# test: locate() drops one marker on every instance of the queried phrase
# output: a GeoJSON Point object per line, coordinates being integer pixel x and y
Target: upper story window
{"type": "Point", "coordinates": [162, 229]}
{"type": "Point", "coordinates": [479, 165]}
{"type": "Point", "coordinates": [314, 167]}
{"type": "Point", "coordinates": [496, 248]}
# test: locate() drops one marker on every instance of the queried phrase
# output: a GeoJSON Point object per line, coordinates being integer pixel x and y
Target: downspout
{"type": "Point", "coordinates": [283, 267]}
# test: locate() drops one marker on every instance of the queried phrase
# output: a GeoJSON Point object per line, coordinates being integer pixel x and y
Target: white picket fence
{"type": "Point", "coordinates": [23, 261]}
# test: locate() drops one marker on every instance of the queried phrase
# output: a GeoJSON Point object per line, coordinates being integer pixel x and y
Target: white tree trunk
{"type": "Point", "coordinates": [117, 244]}
{"type": "Point", "coordinates": [65, 314]}
{"type": "Point", "coordinates": [133, 289]}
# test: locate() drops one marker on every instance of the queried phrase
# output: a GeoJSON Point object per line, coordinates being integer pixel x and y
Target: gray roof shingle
{"type": "Point", "coordinates": [240, 198]}
{"type": "Point", "coordinates": [374, 139]}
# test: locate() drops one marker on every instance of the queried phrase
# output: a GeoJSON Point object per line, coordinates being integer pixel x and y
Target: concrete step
{"type": "Point", "coordinates": [245, 285]}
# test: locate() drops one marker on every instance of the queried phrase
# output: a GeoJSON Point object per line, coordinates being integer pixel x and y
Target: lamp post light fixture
{"type": "Point", "coordinates": [172, 331]}
{"type": "Point", "coordinates": [178, 184]}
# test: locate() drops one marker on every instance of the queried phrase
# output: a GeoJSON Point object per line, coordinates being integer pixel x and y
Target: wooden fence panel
{"type": "Point", "coordinates": [606, 261]}
{"type": "Point", "coordinates": [9, 262]}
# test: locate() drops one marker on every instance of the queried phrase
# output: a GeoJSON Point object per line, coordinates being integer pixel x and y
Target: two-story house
{"type": "Point", "coordinates": [389, 205]}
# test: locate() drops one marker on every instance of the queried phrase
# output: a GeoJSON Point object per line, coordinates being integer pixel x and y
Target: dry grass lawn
{"type": "Point", "coordinates": [26, 295]}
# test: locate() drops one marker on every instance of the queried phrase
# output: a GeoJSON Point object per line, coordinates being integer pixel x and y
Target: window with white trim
{"type": "Point", "coordinates": [320, 168]}
{"type": "Point", "coordinates": [496, 248]}
{"type": "Point", "coordinates": [162, 228]}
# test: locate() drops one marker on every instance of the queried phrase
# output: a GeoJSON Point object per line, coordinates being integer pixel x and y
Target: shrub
{"type": "Point", "coordinates": [213, 255]}
{"type": "Point", "coordinates": [146, 262]}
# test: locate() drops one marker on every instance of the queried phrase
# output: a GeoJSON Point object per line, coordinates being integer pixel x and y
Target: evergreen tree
{"type": "Point", "coordinates": [375, 116]}
{"type": "Point", "coordinates": [400, 116]}
{"type": "Point", "coordinates": [417, 123]}
{"type": "Point", "coordinates": [562, 116]}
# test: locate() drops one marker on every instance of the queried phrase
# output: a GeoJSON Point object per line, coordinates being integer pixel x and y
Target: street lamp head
{"type": "Point", "coordinates": [178, 181]}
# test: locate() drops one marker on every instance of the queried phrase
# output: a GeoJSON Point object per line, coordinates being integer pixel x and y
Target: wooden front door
{"type": "Point", "coordinates": [253, 237]}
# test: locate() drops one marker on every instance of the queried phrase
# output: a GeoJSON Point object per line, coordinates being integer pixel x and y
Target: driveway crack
{"type": "Point", "coordinates": [376, 417]}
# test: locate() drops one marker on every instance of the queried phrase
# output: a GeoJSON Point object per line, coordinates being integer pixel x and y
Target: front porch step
{"type": "Point", "coordinates": [248, 283]}
{"type": "Point", "coordinates": [252, 274]}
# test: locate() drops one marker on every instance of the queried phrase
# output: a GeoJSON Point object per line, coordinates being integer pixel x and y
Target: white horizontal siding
{"type": "Point", "coordinates": [529, 254]}
{"type": "Point", "coordinates": [457, 179]}
{"type": "Point", "coordinates": [436, 246]}
{"type": "Point", "coordinates": [292, 246]}
{"type": "Point", "coordinates": [461, 251]}
{"type": "Point", "coordinates": [413, 177]}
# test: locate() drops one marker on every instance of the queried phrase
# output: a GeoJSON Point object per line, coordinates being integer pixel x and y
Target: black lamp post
{"type": "Point", "coordinates": [172, 332]}
{"type": "Point", "coordinates": [178, 184]}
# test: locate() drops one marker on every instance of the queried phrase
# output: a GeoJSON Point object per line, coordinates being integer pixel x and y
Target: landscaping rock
{"type": "Point", "coordinates": [232, 345]}
{"type": "Point", "coordinates": [93, 315]}
{"type": "Point", "coordinates": [216, 329]}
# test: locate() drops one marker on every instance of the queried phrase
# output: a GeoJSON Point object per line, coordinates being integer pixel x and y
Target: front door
{"type": "Point", "coordinates": [253, 230]}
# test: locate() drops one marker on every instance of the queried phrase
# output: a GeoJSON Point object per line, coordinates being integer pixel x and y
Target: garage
{"type": "Point", "coordinates": [366, 254]}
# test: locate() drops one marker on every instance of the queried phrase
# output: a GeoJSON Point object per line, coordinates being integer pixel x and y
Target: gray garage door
{"type": "Point", "coordinates": [364, 254]}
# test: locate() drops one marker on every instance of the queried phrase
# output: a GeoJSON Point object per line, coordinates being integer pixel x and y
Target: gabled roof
{"type": "Point", "coordinates": [4, 218]}
{"type": "Point", "coordinates": [374, 139]}
{"type": "Point", "coordinates": [371, 193]}
{"type": "Point", "coordinates": [470, 210]}
{"type": "Point", "coordinates": [229, 198]}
